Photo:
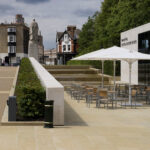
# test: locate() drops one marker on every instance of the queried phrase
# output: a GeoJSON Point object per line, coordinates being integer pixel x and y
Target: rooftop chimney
{"type": "Point", "coordinates": [71, 29]}
{"type": "Point", "coordinates": [19, 19]}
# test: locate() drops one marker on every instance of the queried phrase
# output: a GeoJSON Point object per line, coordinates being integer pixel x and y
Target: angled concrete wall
{"type": "Point", "coordinates": [54, 90]}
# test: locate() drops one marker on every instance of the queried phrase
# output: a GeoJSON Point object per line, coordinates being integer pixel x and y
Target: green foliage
{"type": "Point", "coordinates": [103, 29]}
{"type": "Point", "coordinates": [96, 64]}
{"type": "Point", "coordinates": [86, 36]}
{"type": "Point", "coordinates": [30, 94]}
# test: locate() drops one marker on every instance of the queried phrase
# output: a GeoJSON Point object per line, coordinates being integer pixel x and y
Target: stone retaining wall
{"type": "Point", "coordinates": [54, 90]}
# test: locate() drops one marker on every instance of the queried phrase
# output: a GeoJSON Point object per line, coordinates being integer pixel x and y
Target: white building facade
{"type": "Point", "coordinates": [137, 39]}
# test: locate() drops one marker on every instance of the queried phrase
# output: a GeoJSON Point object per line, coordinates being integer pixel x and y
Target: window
{"type": "Point", "coordinates": [66, 36]}
{"type": "Point", "coordinates": [144, 42]}
{"type": "Point", "coordinates": [11, 49]}
{"type": "Point", "coordinates": [11, 29]}
{"type": "Point", "coordinates": [69, 48]}
{"type": "Point", "coordinates": [64, 47]}
{"type": "Point", "coordinates": [144, 65]}
{"type": "Point", "coordinates": [11, 38]}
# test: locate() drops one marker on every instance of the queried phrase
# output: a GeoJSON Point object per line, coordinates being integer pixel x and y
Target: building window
{"type": "Point", "coordinates": [11, 49]}
{"type": "Point", "coordinates": [11, 29]}
{"type": "Point", "coordinates": [64, 47]}
{"type": "Point", "coordinates": [66, 40]}
{"type": "Point", "coordinates": [66, 37]}
{"type": "Point", "coordinates": [144, 65]}
{"type": "Point", "coordinates": [69, 48]}
{"type": "Point", "coordinates": [144, 42]}
{"type": "Point", "coordinates": [11, 38]}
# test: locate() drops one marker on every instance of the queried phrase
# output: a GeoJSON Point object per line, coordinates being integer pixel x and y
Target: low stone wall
{"type": "Point", "coordinates": [54, 90]}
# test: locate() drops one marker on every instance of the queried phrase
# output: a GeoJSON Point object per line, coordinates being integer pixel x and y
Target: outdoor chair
{"type": "Point", "coordinates": [141, 94]}
{"type": "Point", "coordinates": [120, 99]}
{"type": "Point", "coordinates": [69, 89]}
{"type": "Point", "coordinates": [73, 89]}
{"type": "Point", "coordinates": [122, 90]}
{"type": "Point", "coordinates": [148, 97]}
{"type": "Point", "coordinates": [91, 96]}
{"type": "Point", "coordinates": [76, 92]}
{"type": "Point", "coordinates": [124, 101]}
{"type": "Point", "coordinates": [79, 92]}
{"type": "Point", "coordinates": [104, 98]}
{"type": "Point", "coordinates": [82, 92]}
{"type": "Point", "coordinates": [134, 97]}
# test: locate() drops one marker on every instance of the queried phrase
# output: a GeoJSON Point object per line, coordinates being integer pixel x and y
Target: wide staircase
{"type": "Point", "coordinates": [80, 74]}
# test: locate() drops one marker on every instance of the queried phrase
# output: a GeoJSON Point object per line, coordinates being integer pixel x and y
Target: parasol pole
{"type": "Point", "coordinates": [130, 67]}
{"type": "Point", "coordinates": [114, 78]}
{"type": "Point", "coordinates": [102, 73]}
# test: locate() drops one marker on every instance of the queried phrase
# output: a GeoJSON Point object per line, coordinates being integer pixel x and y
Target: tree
{"type": "Point", "coordinates": [103, 29]}
{"type": "Point", "coordinates": [87, 35]}
{"type": "Point", "coordinates": [127, 15]}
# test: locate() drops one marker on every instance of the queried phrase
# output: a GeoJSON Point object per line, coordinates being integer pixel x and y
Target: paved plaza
{"type": "Point", "coordinates": [85, 129]}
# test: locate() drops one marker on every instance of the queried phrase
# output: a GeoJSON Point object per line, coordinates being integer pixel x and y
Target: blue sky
{"type": "Point", "coordinates": [51, 15]}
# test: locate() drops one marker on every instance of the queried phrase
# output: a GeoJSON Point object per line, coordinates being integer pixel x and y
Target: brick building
{"type": "Point", "coordinates": [67, 44]}
{"type": "Point", "coordinates": [14, 38]}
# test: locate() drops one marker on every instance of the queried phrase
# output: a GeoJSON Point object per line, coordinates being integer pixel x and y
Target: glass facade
{"type": "Point", "coordinates": [144, 65]}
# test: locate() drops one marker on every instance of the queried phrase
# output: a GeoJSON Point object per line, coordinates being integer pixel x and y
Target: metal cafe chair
{"type": "Point", "coordinates": [104, 98]}
{"type": "Point", "coordinates": [148, 97]}
{"type": "Point", "coordinates": [91, 95]}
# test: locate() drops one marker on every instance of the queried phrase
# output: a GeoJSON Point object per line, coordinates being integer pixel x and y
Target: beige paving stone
{"type": "Point", "coordinates": [7, 71]}
{"type": "Point", "coordinates": [26, 141]}
{"type": "Point", "coordinates": [85, 129]}
{"type": "Point", "coordinates": [8, 142]}
{"type": "Point", "coordinates": [6, 84]}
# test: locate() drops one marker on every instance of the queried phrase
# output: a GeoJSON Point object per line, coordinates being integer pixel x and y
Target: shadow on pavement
{"type": "Point", "coordinates": [72, 118]}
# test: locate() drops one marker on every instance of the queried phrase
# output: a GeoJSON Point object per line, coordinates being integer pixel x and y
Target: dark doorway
{"type": "Point", "coordinates": [6, 60]}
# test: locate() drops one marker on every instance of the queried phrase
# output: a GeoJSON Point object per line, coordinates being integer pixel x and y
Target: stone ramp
{"type": "Point", "coordinates": [7, 75]}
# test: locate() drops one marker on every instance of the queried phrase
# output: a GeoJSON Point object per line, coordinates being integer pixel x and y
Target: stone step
{"type": "Point", "coordinates": [65, 67]}
{"type": "Point", "coordinates": [77, 78]}
{"type": "Point", "coordinates": [72, 71]}
{"type": "Point", "coordinates": [90, 83]}
{"type": "Point", "coordinates": [77, 75]}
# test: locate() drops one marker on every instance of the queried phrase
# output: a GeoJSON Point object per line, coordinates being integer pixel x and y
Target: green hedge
{"type": "Point", "coordinates": [29, 91]}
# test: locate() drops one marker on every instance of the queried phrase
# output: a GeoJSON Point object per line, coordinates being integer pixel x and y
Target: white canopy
{"type": "Point", "coordinates": [92, 56]}
{"type": "Point", "coordinates": [116, 53]}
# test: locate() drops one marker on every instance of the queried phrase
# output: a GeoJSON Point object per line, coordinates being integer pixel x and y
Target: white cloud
{"type": "Point", "coordinates": [52, 16]}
